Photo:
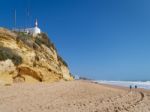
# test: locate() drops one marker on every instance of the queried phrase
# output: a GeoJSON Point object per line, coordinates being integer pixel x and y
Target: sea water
{"type": "Point", "coordinates": [140, 84]}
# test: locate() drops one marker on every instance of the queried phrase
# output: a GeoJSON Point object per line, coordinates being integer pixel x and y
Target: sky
{"type": "Point", "coordinates": [99, 39]}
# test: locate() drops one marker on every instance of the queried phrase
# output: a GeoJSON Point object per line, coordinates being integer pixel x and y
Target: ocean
{"type": "Point", "coordinates": [140, 84]}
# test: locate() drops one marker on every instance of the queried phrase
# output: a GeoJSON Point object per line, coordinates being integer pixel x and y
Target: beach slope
{"type": "Point", "coordinates": [72, 96]}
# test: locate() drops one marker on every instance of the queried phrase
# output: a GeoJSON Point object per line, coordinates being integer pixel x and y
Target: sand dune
{"type": "Point", "coordinates": [73, 96]}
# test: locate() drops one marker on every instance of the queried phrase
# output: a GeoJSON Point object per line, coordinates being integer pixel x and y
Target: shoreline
{"type": "Point", "coordinates": [119, 86]}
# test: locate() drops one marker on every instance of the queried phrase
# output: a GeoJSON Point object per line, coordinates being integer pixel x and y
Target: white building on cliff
{"type": "Point", "coordinates": [32, 31]}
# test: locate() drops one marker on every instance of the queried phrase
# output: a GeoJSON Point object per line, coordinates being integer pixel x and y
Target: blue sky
{"type": "Point", "coordinates": [99, 39]}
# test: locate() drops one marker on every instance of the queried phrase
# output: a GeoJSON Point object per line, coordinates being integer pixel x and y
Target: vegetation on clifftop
{"type": "Point", "coordinates": [31, 41]}
{"type": "Point", "coordinates": [43, 39]}
{"type": "Point", "coordinates": [61, 60]}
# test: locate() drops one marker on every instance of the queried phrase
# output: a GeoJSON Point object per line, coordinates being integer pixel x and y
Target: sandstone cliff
{"type": "Point", "coordinates": [24, 58]}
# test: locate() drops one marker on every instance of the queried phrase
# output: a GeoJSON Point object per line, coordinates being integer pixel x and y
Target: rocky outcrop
{"type": "Point", "coordinates": [24, 58]}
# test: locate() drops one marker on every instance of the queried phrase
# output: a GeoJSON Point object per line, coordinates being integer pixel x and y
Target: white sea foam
{"type": "Point", "coordinates": [140, 84]}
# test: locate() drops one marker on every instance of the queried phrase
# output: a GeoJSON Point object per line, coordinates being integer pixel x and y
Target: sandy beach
{"type": "Point", "coordinates": [72, 96]}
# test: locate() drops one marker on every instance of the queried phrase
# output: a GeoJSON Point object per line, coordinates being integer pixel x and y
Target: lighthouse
{"type": "Point", "coordinates": [36, 30]}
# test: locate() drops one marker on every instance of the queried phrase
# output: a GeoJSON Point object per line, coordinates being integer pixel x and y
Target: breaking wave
{"type": "Point", "coordinates": [140, 84]}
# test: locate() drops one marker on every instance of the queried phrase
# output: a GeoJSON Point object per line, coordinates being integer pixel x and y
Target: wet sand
{"type": "Point", "coordinates": [73, 96]}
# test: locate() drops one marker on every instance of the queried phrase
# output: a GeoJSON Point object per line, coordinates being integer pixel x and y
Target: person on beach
{"type": "Point", "coordinates": [135, 86]}
{"type": "Point", "coordinates": [130, 87]}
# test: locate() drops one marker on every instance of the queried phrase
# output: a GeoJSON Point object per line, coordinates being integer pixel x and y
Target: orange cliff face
{"type": "Point", "coordinates": [24, 58]}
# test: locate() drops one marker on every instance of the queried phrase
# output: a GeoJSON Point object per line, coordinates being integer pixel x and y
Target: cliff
{"type": "Point", "coordinates": [24, 58]}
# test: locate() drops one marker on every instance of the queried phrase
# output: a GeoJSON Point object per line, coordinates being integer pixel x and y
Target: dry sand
{"type": "Point", "coordinates": [73, 96]}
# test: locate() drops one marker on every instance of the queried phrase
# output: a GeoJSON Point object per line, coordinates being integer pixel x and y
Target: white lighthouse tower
{"type": "Point", "coordinates": [36, 30]}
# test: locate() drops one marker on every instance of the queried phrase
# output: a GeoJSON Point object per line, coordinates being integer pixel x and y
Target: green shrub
{"type": "Point", "coordinates": [43, 39]}
{"type": "Point", "coordinates": [61, 60]}
{"type": "Point", "coordinates": [38, 41]}
{"type": "Point", "coordinates": [25, 38]}
{"type": "Point", "coordinates": [7, 53]}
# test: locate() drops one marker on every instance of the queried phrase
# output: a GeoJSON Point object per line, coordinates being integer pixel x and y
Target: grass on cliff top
{"type": "Point", "coordinates": [31, 41]}
{"type": "Point", "coordinates": [43, 39]}
{"type": "Point", "coordinates": [25, 38]}
{"type": "Point", "coordinates": [7, 53]}
{"type": "Point", "coordinates": [62, 61]}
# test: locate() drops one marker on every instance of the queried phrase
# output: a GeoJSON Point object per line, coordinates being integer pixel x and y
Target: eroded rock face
{"type": "Point", "coordinates": [7, 66]}
{"type": "Point", "coordinates": [30, 59]}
